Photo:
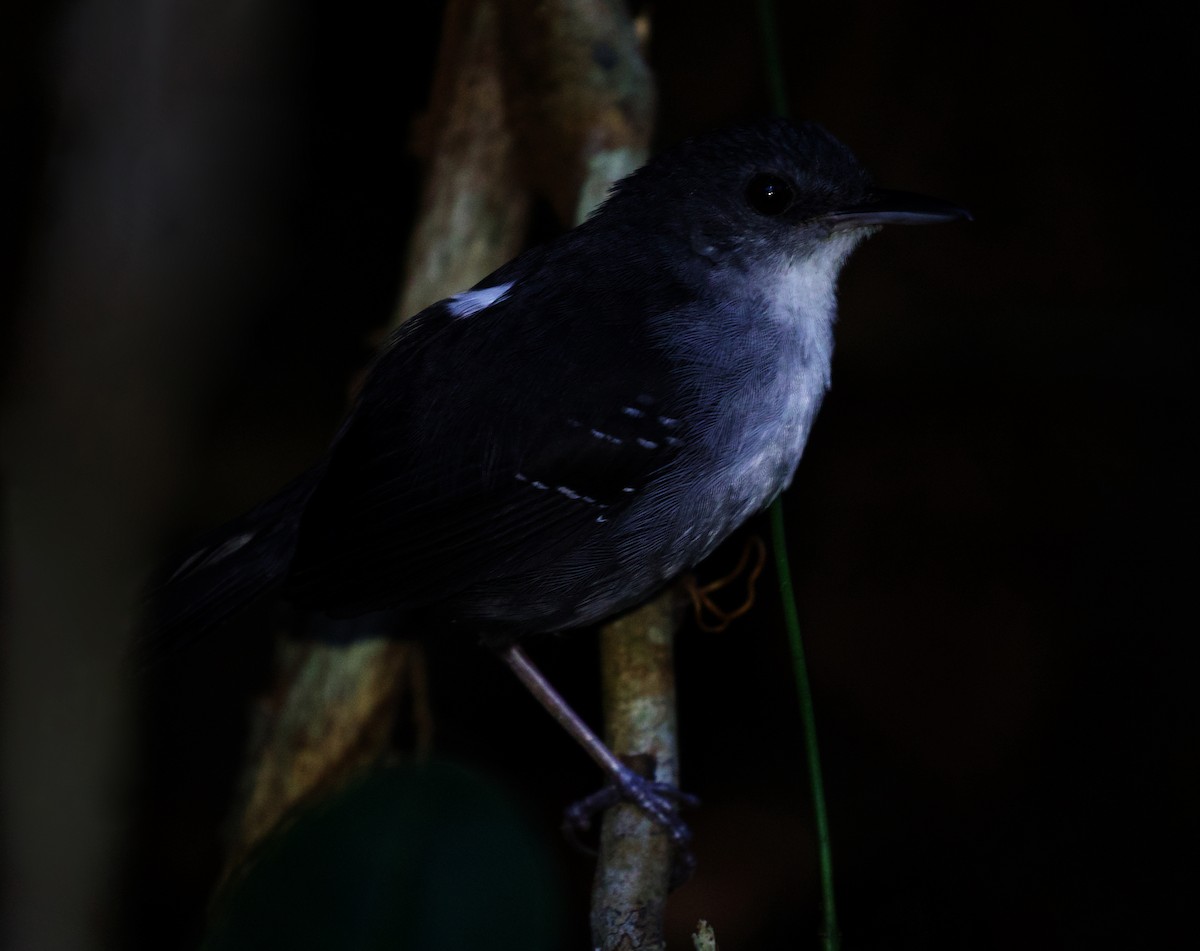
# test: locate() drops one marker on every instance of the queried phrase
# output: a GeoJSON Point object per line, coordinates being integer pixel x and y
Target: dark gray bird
{"type": "Point", "coordinates": [552, 446]}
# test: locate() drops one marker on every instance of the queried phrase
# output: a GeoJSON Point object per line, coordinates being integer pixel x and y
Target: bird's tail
{"type": "Point", "coordinates": [224, 571]}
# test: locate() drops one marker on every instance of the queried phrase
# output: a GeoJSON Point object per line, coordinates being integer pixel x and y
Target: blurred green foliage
{"type": "Point", "coordinates": [424, 857]}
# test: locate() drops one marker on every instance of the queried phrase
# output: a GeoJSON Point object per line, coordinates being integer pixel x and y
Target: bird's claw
{"type": "Point", "coordinates": [659, 801]}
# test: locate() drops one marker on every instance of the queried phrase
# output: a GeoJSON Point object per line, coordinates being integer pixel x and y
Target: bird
{"type": "Point", "coordinates": [552, 446]}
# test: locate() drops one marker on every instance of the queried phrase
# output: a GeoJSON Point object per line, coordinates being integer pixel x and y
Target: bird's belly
{"type": "Point", "coordinates": [677, 526]}
{"type": "Point", "coordinates": [731, 471]}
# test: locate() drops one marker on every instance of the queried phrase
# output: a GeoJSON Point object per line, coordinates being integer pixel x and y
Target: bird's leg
{"type": "Point", "coordinates": [660, 801]}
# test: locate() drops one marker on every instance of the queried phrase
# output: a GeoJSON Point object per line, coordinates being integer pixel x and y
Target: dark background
{"type": "Point", "coordinates": [984, 526]}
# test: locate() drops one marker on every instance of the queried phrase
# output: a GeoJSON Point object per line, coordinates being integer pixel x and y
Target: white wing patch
{"type": "Point", "coordinates": [210, 556]}
{"type": "Point", "coordinates": [469, 303]}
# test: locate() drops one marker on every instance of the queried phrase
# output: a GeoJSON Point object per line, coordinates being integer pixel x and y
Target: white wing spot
{"type": "Point", "coordinates": [563, 490]}
{"type": "Point", "coordinates": [615, 440]}
{"type": "Point", "coordinates": [647, 443]}
{"type": "Point", "coordinates": [668, 421]}
{"type": "Point", "coordinates": [202, 559]}
{"type": "Point", "coordinates": [633, 411]}
{"type": "Point", "coordinates": [472, 302]}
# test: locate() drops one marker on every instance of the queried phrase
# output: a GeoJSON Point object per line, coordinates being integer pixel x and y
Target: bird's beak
{"type": "Point", "coordinates": [882, 207]}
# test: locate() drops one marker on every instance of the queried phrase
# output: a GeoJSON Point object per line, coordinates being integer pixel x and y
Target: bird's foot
{"type": "Point", "coordinates": [659, 801]}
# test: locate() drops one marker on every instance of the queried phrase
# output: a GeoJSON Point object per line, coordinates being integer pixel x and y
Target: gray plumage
{"type": "Point", "coordinates": [553, 445]}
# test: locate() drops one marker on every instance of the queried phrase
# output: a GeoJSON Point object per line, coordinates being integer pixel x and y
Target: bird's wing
{"type": "Point", "coordinates": [487, 441]}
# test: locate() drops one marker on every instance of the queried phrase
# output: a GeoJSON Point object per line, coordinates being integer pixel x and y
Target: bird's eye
{"type": "Point", "coordinates": [770, 194]}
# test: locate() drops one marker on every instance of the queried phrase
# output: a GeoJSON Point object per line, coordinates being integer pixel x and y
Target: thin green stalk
{"type": "Point", "coordinates": [831, 938]}
{"type": "Point", "coordinates": [776, 88]}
